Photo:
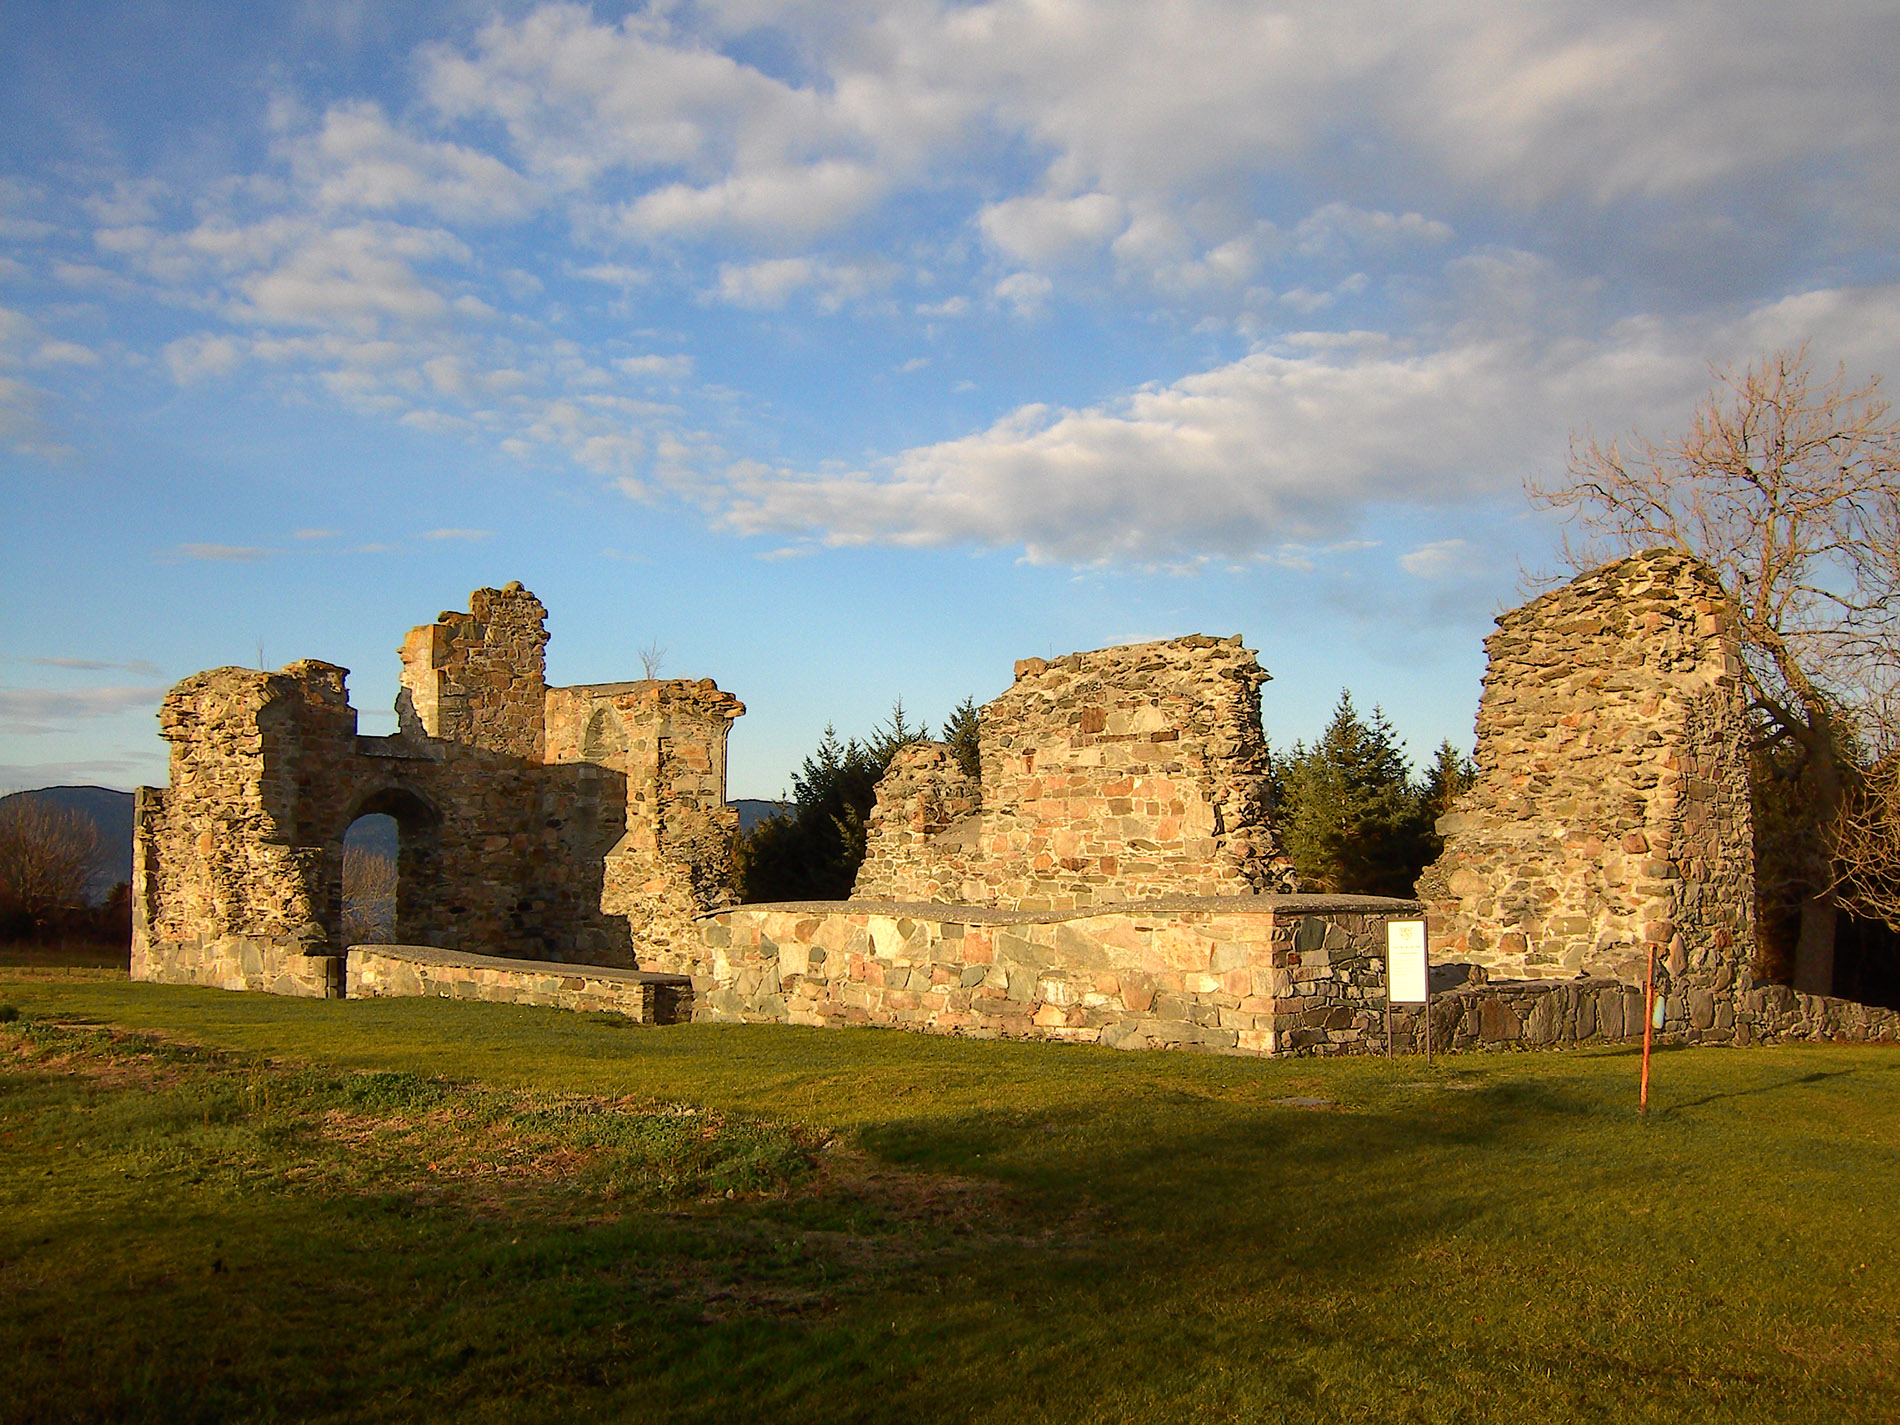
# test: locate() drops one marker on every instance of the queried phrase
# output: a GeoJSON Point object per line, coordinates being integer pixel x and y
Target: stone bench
{"type": "Point", "coordinates": [642, 995]}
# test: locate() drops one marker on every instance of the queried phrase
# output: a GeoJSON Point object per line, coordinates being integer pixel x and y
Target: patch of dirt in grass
{"type": "Point", "coordinates": [103, 1058]}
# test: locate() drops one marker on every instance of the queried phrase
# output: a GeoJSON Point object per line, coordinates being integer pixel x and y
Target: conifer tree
{"type": "Point", "coordinates": [1349, 815]}
{"type": "Point", "coordinates": [961, 733]}
{"type": "Point", "coordinates": [813, 851]}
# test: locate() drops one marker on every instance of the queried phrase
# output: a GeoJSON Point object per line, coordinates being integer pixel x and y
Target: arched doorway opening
{"type": "Point", "coordinates": [370, 850]}
{"type": "Point", "coordinates": [387, 870]}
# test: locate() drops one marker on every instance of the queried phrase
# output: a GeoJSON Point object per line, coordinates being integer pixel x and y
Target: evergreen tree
{"type": "Point", "coordinates": [1451, 775]}
{"type": "Point", "coordinates": [813, 851]}
{"type": "Point", "coordinates": [1349, 815]}
{"type": "Point", "coordinates": [961, 733]}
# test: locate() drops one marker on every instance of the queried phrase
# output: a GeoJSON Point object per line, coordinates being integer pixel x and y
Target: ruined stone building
{"type": "Point", "coordinates": [1110, 874]}
{"type": "Point", "coordinates": [1117, 775]}
{"type": "Point", "coordinates": [575, 824]}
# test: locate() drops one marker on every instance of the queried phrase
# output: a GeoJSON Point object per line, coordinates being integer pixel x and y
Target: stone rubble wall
{"type": "Point", "coordinates": [921, 840]}
{"type": "Point", "coordinates": [242, 962]}
{"type": "Point", "coordinates": [1261, 975]}
{"type": "Point", "coordinates": [1545, 1014]}
{"type": "Point", "coordinates": [478, 678]}
{"type": "Point", "coordinates": [674, 857]}
{"type": "Point", "coordinates": [1115, 775]}
{"type": "Point", "coordinates": [1612, 808]}
{"type": "Point", "coordinates": [1776, 1014]}
{"type": "Point", "coordinates": [410, 970]}
{"type": "Point", "coordinates": [537, 822]}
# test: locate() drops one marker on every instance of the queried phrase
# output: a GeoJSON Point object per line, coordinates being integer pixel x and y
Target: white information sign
{"type": "Point", "coordinates": [1406, 964]}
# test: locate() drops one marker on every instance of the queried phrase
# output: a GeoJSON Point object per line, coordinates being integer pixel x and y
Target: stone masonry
{"type": "Point", "coordinates": [1265, 975]}
{"type": "Point", "coordinates": [415, 970]}
{"type": "Point", "coordinates": [1612, 807]}
{"type": "Point", "coordinates": [1111, 877]}
{"type": "Point", "coordinates": [582, 823]}
{"type": "Point", "coordinates": [1612, 815]}
{"type": "Point", "coordinates": [1117, 775]}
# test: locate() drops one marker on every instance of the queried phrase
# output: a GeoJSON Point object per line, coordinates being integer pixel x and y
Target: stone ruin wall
{"type": "Point", "coordinates": [1612, 808]}
{"type": "Point", "coordinates": [1612, 814]}
{"type": "Point", "coordinates": [580, 824]}
{"type": "Point", "coordinates": [1121, 774]}
{"type": "Point", "coordinates": [673, 856]}
{"type": "Point", "coordinates": [1261, 975]}
{"type": "Point", "coordinates": [1121, 790]}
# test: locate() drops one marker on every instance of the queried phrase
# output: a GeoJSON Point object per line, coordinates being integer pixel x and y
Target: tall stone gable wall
{"type": "Point", "coordinates": [1116, 775]}
{"type": "Point", "coordinates": [1612, 808]}
{"type": "Point", "coordinates": [585, 824]}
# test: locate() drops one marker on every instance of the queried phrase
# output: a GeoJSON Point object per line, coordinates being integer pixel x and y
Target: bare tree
{"type": "Point", "coordinates": [1867, 852]}
{"type": "Point", "coordinates": [652, 659]}
{"type": "Point", "coordinates": [49, 856]}
{"type": "Point", "coordinates": [1786, 486]}
{"type": "Point", "coordinates": [369, 896]}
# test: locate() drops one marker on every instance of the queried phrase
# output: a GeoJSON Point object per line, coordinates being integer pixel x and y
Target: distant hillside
{"type": "Point", "coordinates": [110, 811]}
{"type": "Point", "coordinates": [752, 811]}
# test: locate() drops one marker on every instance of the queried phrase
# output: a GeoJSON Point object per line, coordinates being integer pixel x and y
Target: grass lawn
{"type": "Point", "coordinates": [219, 1206]}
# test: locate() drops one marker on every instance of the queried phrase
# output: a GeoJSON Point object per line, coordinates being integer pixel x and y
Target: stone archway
{"type": "Point", "coordinates": [369, 867]}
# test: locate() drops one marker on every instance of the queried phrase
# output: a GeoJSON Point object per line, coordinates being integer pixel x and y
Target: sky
{"type": "Point", "coordinates": [849, 352]}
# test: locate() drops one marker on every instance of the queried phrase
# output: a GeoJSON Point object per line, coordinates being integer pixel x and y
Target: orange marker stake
{"type": "Point", "coordinates": [1649, 1018]}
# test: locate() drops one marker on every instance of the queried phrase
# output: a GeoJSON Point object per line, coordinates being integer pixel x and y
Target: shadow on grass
{"type": "Point", "coordinates": [1818, 1077]}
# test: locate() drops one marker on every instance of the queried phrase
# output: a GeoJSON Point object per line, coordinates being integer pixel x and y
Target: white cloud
{"type": "Point", "coordinates": [1024, 292]}
{"type": "Point", "coordinates": [665, 368]}
{"type": "Point", "coordinates": [191, 358]}
{"type": "Point", "coordinates": [1289, 445]}
{"type": "Point", "coordinates": [763, 284]}
{"type": "Point", "coordinates": [1436, 558]}
{"type": "Point", "coordinates": [65, 353]}
{"type": "Point", "coordinates": [45, 705]}
{"type": "Point", "coordinates": [784, 204]}
{"type": "Point", "coordinates": [471, 536]}
{"type": "Point", "coordinates": [95, 665]}
{"type": "Point", "coordinates": [358, 160]}
{"type": "Point", "coordinates": [357, 277]}
{"type": "Point", "coordinates": [1039, 231]}
{"type": "Point", "coordinates": [1335, 229]}
{"type": "Point", "coordinates": [615, 274]}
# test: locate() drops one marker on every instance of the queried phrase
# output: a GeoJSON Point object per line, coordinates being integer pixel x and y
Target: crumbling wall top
{"type": "Point", "coordinates": [1116, 774]}
{"type": "Point", "coordinates": [480, 677]}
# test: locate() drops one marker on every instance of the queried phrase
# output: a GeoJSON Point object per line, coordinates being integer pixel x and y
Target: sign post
{"type": "Point", "coordinates": [1649, 1019]}
{"type": "Point", "coordinates": [1408, 978]}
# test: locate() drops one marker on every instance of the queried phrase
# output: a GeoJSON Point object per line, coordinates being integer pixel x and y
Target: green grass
{"type": "Point", "coordinates": [218, 1206]}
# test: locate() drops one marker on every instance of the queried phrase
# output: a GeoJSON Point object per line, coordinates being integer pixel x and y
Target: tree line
{"type": "Point", "coordinates": [49, 859]}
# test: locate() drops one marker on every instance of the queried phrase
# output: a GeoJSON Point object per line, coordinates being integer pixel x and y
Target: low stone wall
{"type": "Point", "coordinates": [396, 970]}
{"type": "Point", "coordinates": [1775, 1014]}
{"type": "Point", "coordinates": [275, 965]}
{"type": "Point", "coordinates": [1266, 975]}
{"type": "Point", "coordinates": [1544, 1014]}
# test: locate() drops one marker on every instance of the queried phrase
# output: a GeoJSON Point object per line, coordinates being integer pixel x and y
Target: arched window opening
{"type": "Point", "coordinates": [605, 740]}
{"type": "Point", "coordinates": [372, 850]}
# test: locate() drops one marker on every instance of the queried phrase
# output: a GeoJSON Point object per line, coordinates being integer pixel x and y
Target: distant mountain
{"type": "Point", "coordinates": [752, 811]}
{"type": "Point", "coordinates": [110, 811]}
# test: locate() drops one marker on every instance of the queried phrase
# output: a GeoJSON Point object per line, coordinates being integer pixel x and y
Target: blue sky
{"type": "Point", "coordinates": [849, 352]}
